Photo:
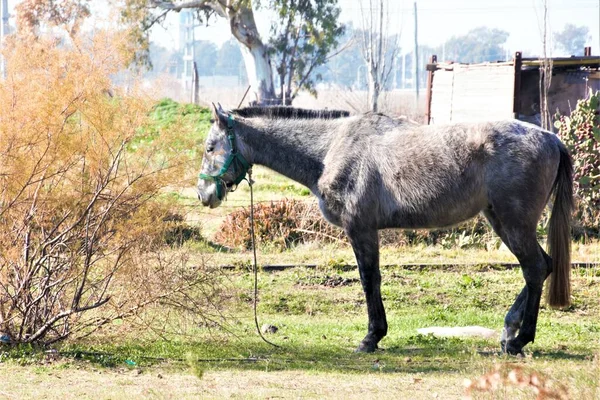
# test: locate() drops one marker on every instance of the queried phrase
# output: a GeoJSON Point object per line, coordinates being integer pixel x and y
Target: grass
{"type": "Point", "coordinates": [320, 313]}
{"type": "Point", "coordinates": [321, 316]}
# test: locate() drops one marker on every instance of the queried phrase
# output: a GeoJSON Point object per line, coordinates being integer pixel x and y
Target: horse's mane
{"type": "Point", "coordinates": [288, 112]}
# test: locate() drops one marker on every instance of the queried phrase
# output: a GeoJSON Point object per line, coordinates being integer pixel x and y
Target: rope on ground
{"type": "Point", "coordinates": [255, 266]}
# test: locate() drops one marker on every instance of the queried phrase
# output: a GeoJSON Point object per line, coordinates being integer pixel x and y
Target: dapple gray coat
{"type": "Point", "coordinates": [371, 172]}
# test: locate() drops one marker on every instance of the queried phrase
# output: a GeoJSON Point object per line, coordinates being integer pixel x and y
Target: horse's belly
{"type": "Point", "coordinates": [436, 215]}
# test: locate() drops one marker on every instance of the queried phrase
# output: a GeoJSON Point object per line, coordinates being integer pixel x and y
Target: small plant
{"type": "Point", "coordinates": [507, 375]}
{"type": "Point", "coordinates": [581, 134]}
{"type": "Point", "coordinates": [280, 223]}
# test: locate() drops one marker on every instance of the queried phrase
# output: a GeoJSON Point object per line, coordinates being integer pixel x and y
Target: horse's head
{"type": "Point", "coordinates": [223, 167]}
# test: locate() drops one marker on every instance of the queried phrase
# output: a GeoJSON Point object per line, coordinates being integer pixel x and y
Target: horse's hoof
{"type": "Point", "coordinates": [366, 347]}
{"type": "Point", "coordinates": [512, 348]}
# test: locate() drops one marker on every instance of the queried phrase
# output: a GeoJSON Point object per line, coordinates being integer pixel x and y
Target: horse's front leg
{"type": "Point", "coordinates": [365, 243]}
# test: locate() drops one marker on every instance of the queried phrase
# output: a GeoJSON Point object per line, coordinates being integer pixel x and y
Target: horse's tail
{"type": "Point", "coordinates": [559, 233]}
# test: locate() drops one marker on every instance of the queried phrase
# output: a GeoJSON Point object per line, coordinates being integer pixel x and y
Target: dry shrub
{"type": "Point", "coordinates": [474, 233]}
{"type": "Point", "coordinates": [506, 375]}
{"type": "Point", "coordinates": [79, 183]}
{"type": "Point", "coordinates": [280, 223]}
{"type": "Point", "coordinates": [288, 222]}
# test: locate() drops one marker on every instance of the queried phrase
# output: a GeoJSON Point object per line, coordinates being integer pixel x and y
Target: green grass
{"type": "Point", "coordinates": [320, 313]}
{"type": "Point", "coordinates": [321, 316]}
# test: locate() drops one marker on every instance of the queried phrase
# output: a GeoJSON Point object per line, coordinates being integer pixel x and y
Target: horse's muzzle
{"type": "Point", "coordinates": [209, 200]}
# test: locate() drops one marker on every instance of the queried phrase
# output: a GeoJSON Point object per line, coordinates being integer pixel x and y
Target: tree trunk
{"type": "Point", "coordinates": [374, 90]}
{"type": "Point", "coordinates": [254, 52]}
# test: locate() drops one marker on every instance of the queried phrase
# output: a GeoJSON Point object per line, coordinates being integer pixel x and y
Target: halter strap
{"type": "Point", "coordinates": [234, 156]}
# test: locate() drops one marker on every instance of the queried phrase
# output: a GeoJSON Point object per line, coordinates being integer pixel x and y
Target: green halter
{"type": "Point", "coordinates": [234, 156]}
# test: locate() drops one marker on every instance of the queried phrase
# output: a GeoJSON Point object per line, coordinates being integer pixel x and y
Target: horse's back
{"type": "Point", "coordinates": [419, 176]}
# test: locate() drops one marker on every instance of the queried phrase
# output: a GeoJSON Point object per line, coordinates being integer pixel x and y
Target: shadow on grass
{"type": "Point", "coordinates": [413, 354]}
{"type": "Point", "coordinates": [563, 355]}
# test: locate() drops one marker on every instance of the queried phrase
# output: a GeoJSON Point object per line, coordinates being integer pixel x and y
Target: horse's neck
{"type": "Point", "coordinates": [294, 148]}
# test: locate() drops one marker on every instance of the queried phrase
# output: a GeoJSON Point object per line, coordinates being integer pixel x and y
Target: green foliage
{"type": "Point", "coordinates": [168, 112]}
{"type": "Point", "coordinates": [230, 61]}
{"type": "Point", "coordinates": [301, 40]}
{"type": "Point", "coordinates": [581, 134]}
{"type": "Point", "coordinates": [205, 54]}
{"type": "Point", "coordinates": [572, 39]}
{"type": "Point", "coordinates": [478, 45]}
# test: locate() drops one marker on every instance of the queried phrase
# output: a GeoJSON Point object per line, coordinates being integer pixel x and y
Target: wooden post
{"type": "Point", "coordinates": [195, 85]}
{"type": "Point", "coordinates": [518, 63]}
{"type": "Point", "coordinates": [431, 67]}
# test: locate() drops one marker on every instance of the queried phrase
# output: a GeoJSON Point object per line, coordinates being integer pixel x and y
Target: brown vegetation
{"type": "Point", "coordinates": [82, 220]}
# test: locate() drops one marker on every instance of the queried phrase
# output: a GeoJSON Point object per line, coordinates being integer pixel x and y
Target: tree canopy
{"type": "Point", "coordinates": [572, 39]}
{"type": "Point", "coordinates": [478, 45]}
{"type": "Point", "coordinates": [301, 40]}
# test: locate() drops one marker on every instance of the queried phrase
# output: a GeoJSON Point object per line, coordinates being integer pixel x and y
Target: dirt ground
{"type": "Point", "coordinates": [72, 383]}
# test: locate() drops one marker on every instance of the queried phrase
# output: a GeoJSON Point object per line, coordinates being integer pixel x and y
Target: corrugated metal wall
{"type": "Point", "coordinates": [472, 93]}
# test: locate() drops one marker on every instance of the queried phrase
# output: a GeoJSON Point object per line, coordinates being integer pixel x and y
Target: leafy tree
{"type": "Point", "coordinates": [572, 39]}
{"type": "Point", "coordinates": [229, 58]}
{"type": "Point", "coordinates": [301, 41]}
{"type": "Point", "coordinates": [309, 43]}
{"type": "Point", "coordinates": [31, 14]}
{"type": "Point", "coordinates": [343, 67]}
{"type": "Point", "coordinates": [205, 54]}
{"type": "Point", "coordinates": [478, 45]}
{"type": "Point", "coordinates": [162, 59]}
{"type": "Point", "coordinates": [314, 33]}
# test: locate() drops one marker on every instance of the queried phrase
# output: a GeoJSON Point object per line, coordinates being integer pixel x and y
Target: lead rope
{"type": "Point", "coordinates": [255, 266]}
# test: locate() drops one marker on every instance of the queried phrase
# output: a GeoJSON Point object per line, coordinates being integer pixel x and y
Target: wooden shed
{"type": "Point", "coordinates": [491, 91]}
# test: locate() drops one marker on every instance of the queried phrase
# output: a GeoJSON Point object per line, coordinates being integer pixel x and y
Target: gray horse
{"type": "Point", "coordinates": [371, 172]}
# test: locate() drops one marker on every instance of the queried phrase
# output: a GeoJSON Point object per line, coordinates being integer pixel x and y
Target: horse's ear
{"type": "Point", "coordinates": [219, 115]}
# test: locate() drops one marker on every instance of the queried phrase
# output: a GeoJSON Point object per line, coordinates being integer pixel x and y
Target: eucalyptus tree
{"type": "Point", "coordinates": [304, 32]}
{"type": "Point", "coordinates": [142, 15]}
{"type": "Point", "coordinates": [302, 38]}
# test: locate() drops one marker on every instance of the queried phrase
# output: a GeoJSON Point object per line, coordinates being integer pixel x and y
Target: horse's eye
{"type": "Point", "coordinates": [210, 148]}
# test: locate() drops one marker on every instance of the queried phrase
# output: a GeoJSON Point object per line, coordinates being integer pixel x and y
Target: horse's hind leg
{"type": "Point", "coordinates": [536, 266]}
{"type": "Point", "coordinates": [365, 243]}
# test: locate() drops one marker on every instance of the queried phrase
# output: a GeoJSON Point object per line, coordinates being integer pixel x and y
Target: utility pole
{"type": "Point", "coordinates": [416, 58]}
{"type": "Point", "coordinates": [404, 71]}
{"type": "Point", "coordinates": [187, 43]}
{"type": "Point", "coordinates": [3, 31]}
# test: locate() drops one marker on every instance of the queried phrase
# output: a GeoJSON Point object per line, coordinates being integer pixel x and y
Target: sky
{"type": "Point", "coordinates": [438, 20]}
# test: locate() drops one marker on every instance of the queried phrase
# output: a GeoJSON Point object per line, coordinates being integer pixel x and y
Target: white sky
{"type": "Point", "coordinates": [438, 20]}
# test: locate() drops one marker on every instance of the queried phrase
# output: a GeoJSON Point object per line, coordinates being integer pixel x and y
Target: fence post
{"type": "Point", "coordinates": [431, 67]}
{"type": "Point", "coordinates": [518, 63]}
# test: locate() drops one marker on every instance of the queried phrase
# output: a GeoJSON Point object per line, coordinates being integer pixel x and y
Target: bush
{"type": "Point", "coordinates": [280, 223]}
{"type": "Point", "coordinates": [289, 222]}
{"type": "Point", "coordinates": [580, 132]}
{"type": "Point", "coordinates": [82, 222]}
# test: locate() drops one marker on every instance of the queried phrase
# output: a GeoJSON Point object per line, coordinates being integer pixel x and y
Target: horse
{"type": "Point", "coordinates": [371, 172]}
